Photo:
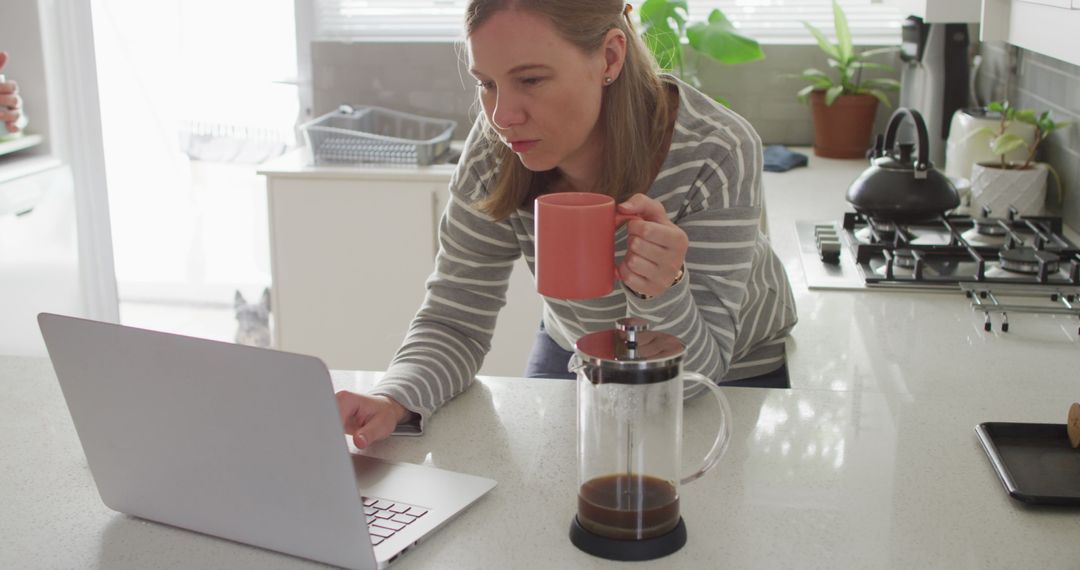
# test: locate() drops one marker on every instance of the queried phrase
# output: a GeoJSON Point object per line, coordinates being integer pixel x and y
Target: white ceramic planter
{"type": "Point", "coordinates": [1000, 188]}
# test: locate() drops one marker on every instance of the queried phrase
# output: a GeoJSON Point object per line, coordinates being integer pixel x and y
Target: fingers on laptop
{"type": "Point", "coordinates": [378, 426]}
{"type": "Point", "coordinates": [365, 418]}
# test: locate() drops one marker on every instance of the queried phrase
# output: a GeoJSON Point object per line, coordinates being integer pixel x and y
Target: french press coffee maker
{"type": "Point", "coordinates": [629, 419]}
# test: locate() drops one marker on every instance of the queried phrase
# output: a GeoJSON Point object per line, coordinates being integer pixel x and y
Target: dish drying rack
{"type": "Point", "coordinates": [369, 134]}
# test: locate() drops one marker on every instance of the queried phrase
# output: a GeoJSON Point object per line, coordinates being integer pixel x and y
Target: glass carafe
{"type": "Point", "coordinates": [629, 420]}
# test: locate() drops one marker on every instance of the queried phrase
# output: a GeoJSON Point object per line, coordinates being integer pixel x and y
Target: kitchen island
{"type": "Point", "coordinates": [869, 461]}
{"type": "Point", "coordinates": [812, 479]}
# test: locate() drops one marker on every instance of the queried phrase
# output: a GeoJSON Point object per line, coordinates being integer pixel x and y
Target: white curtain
{"type": "Point", "coordinates": [189, 87]}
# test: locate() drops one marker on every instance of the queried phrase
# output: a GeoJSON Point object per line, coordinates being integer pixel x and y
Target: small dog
{"type": "Point", "coordinates": [253, 319]}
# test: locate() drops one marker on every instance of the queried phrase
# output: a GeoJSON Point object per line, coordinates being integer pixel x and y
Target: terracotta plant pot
{"type": "Point", "coordinates": [843, 129]}
{"type": "Point", "coordinates": [998, 188]}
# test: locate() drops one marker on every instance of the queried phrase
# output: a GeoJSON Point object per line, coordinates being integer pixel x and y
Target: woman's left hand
{"type": "Point", "coordinates": [656, 248]}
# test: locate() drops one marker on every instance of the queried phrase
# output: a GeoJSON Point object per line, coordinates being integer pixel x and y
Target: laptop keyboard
{"type": "Point", "coordinates": [386, 518]}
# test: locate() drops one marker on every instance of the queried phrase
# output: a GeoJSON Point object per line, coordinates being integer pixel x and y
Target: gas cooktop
{"type": "Point", "coordinates": [955, 249]}
{"type": "Point", "coordinates": [985, 257]}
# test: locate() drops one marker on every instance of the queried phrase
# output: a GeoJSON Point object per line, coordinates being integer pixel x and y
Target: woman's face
{"type": "Point", "coordinates": [539, 92]}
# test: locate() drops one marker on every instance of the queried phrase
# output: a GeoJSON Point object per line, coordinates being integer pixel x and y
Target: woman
{"type": "Point", "coordinates": [572, 101]}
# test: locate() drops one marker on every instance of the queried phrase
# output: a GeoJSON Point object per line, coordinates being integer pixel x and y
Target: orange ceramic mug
{"type": "Point", "coordinates": [575, 244]}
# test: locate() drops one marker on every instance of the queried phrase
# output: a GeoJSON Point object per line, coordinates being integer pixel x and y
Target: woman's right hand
{"type": "Point", "coordinates": [369, 418]}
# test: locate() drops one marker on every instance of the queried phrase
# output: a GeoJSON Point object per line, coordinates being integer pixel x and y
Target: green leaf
{"type": "Point", "coordinates": [654, 12]}
{"type": "Point", "coordinates": [1006, 143]}
{"type": "Point", "coordinates": [817, 78]}
{"type": "Point", "coordinates": [833, 92]}
{"type": "Point", "coordinates": [881, 96]}
{"type": "Point", "coordinates": [665, 47]}
{"type": "Point", "coordinates": [843, 33]}
{"type": "Point", "coordinates": [804, 93]}
{"type": "Point", "coordinates": [883, 83]}
{"type": "Point", "coordinates": [1027, 116]}
{"type": "Point", "coordinates": [847, 77]}
{"type": "Point", "coordinates": [719, 40]}
{"type": "Point", "coordinates": [823, 42]}
{"type": "Point", "coordinates": [997, 106]}
{"type": "Point", "coordinates": [871, 65]}
{"type": "Point", "coordinates": [877, 51]}
{"type": "Point", "coordinates": [663, 22]}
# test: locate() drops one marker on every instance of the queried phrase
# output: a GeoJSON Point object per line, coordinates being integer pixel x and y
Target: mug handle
{"type": "Point", "coordinates": [722, 437]}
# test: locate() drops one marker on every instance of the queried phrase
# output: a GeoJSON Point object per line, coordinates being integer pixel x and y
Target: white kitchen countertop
{"type": "Point", "coordinates": [870, 461]}
{"type": "Point", "coordinates": [929, 343]}
{"type": "Point", "coordinates": [813, 479]}
{"type": "Point", "coordinates": [296, 164]}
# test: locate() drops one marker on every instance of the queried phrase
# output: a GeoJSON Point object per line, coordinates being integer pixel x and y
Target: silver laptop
{"type": "Point", "coordinates": [241, 443]}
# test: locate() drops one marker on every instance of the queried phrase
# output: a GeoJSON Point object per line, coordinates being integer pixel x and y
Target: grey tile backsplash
{"type": "Point", "coordinates": [425, 78]}
{"type": "Point", "coordinates": [1029, 79]}
{"type": "Point", "coordinates": [430, 78]}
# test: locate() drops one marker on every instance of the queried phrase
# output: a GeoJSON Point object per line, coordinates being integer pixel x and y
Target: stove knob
{"type": "Point", "coordinates": [824, 229]}
{"type": "Point", "coordinates": [829, 250]}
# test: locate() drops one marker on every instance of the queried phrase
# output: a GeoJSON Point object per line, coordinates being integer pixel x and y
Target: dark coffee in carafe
{"type": "Point", "coordinates": [628, 506]}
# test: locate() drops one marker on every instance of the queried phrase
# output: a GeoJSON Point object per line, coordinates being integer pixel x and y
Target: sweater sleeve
{"type": "Point", "coordinates": [451, 333]}
{"type": "Point", "coordinates": [722, 223]}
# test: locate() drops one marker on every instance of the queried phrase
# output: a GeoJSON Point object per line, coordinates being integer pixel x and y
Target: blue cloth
{"type": "Point", "coordinates": [548, 359]}
{"type": "Point", "coordinates": [779, 159]}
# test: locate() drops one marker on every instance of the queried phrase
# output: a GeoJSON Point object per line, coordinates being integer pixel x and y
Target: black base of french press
{"type": "Point", "coordinates": [628, 550]}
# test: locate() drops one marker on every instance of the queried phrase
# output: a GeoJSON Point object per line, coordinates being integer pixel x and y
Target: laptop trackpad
{"type": "Point", "coordinates": [420, 485]}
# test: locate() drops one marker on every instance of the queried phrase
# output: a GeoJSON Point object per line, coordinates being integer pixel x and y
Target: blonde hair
{"type": "Point", "coordinates": [634, 113]}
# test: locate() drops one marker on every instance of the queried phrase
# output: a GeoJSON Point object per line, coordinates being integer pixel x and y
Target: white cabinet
{"type": "Point", "coordinates": [943, 11]}
{"type": "Point", "coordinates": [351, 249]}
{"type": "Point", "coordinates": [39, 252]}
{"type": "Point", "coordinates": [1049, 27]}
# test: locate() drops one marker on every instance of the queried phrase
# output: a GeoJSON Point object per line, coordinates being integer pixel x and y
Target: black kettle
{"type": "Point", "coordinates": [895, 187]}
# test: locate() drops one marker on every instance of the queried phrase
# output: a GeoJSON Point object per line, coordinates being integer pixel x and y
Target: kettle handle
{"type": "Point", "coordinates": [922, 162]}
{"type": "Point", "coordinates": [722, 437]}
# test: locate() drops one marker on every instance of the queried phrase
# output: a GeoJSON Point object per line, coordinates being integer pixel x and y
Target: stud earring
{"type": "Point", "coordinates": [608, 80]}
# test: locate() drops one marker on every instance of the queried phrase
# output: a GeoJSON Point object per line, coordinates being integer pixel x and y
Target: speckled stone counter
{"type": "Point", "coordinates": [813, 479]}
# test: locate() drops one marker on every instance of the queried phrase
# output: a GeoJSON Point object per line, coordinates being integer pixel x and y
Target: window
{"type": "Point", "coordinates": [414, 19]}
{"type": "Point", "coordinates": [768, 21]}
{"type": "Point", "coordinates": [780, 21]}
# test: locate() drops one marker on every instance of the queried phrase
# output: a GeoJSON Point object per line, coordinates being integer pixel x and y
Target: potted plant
{"type": "Point", "coordinates": [663, 25]}
{"type": "Point", "coordinates": [844, 107]}
{"type": "Point", "coordinates": [1001, 183]}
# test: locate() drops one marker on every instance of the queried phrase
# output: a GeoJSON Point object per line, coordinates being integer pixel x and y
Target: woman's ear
{"type": "Point", "coordinates": [614, 50]}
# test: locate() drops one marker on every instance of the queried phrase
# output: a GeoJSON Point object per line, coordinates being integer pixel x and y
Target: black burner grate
{"type": "Point", "coordinates": [936, 252]}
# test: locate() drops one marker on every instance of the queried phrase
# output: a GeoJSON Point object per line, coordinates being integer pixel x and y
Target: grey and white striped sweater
{"type": "Point", "coordinates": [732, 309]}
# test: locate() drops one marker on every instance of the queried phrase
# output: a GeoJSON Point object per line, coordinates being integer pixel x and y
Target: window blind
{"type": "Point", "coordinates": [768, 21]}
{"type": "Point", "coordinates": [780, 21]}
{"type": "Point", "coordinates": [413, 19]}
